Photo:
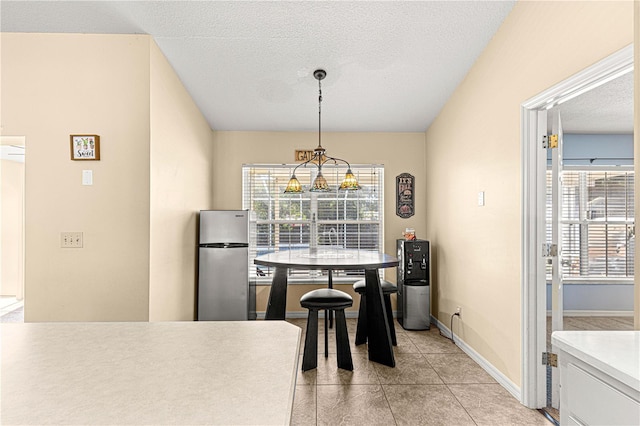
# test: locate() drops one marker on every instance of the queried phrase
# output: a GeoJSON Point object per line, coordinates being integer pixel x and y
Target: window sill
{"type": "Point", "coordinates": [596, 281]}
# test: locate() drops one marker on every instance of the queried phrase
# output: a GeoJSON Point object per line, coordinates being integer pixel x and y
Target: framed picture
{"type": "Point", "coordinates": [405, 195]}
{"type": "Point", "coordinates": [85, 147]}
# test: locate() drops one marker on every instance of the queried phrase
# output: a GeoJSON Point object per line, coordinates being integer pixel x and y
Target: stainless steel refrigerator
{"type": "Point", "coordinates": [224, 291]}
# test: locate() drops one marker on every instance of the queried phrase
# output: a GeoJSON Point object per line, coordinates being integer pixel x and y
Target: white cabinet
{"type": "Point", "coordinates": [599, 377]}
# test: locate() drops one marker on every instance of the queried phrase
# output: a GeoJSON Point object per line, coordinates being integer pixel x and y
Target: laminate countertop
{"type": "Point", "coordinates": [149, 373]}
{"type": "Point", "coordinates": [615, 353]}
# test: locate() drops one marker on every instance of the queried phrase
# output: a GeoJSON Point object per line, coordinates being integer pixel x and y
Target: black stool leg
{"type": "Point", "coordinates": [342, 342]}
{"type": "Point", "coordinates": [326, 334]}
{"type": "Point", "coordinates": [310, 358]}
{"type": "Point", "coordinates": [330, 272]}
{"type": "Point", "coordinates": [361, 328]}
{"type": "Point", "coordinates": [392, 329]}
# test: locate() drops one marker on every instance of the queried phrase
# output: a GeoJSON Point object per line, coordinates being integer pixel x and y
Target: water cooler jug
{"type": "Point", "coordinates": [414, 279]}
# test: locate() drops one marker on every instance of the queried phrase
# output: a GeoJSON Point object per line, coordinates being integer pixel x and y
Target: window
{"type": "Point", "coordinates": [597, 224]}
{"type": "Point", "coordinates": [339, 219]}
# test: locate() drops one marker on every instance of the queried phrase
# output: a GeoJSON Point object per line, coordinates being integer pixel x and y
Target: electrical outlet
{"type": "Point", "coordinates": [459, 311]}
{"type": "Point", "coordinates": [71, 240]}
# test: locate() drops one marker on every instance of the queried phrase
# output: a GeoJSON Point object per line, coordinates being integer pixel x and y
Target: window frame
{"type": "Point", "coordinates": [371, 178]}
{"type": "Point", "coordinates": [593, 279]}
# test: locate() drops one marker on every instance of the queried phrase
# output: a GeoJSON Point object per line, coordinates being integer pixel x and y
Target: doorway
{"type": "Point", "coordinates": [534, 270]}
{"type": "Point", "coordinates": [12, 178]}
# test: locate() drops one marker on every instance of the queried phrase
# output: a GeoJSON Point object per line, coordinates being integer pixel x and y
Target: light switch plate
{"type": "Point", "coordinates": [87, 177]}
{"type": "Point", "coordinates": [481, 198]}
{"type": "Point", "coordinates": [71, 240]}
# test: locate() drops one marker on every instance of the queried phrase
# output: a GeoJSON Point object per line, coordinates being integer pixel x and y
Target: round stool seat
{"type": "Point", "coordinates": [326, 298]}
{"type": "Point", "coordinates": [387, 287]}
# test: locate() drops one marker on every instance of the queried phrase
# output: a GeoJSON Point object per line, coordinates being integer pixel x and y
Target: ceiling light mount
{"type": "Point", "coordinates": [319, 74]}
{"type": "Point", "coordinates": [319, 158]}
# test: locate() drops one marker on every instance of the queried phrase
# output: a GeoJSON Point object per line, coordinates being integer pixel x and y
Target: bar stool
{"type": "Point", "coordinates": [326, 299]}
{"type": "Point", "coordinates": [388, 288]}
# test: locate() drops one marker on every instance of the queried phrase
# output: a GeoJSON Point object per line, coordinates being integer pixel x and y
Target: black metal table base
{"type": "Point", "coordinates": [378, 334]}
{"type": "Point", "coordinates": [277, 305]}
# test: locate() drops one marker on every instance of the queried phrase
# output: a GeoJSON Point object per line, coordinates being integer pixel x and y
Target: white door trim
{"type": "Point", "coordinates": [533, 295]}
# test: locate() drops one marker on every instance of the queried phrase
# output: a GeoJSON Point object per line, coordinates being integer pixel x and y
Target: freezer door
{"type": "Point", "coordinates": [223, 284]}
{"type": "Point", "coordinates": [224, 226]}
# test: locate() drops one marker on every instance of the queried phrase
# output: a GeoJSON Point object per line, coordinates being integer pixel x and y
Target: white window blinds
{"type": "Point", "coordinates": [597, 223]}
{"type": "Point", "coordinates": [346, 219]}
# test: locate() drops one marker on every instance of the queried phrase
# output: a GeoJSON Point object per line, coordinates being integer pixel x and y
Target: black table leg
{"type": "Point", "coordinates": [378, 334]}
{"type": "Point", "coordinates": [276, 308]}
{"type": "Point", "coordinates": [330, 312]}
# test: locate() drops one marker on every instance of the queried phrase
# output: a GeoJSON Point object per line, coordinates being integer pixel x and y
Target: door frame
{"type": "Point", "coordinates": [533, 164]}
{"type": "Point", "coordinates": [20, 291]}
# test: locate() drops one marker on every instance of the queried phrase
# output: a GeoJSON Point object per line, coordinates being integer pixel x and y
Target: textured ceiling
{"type": "Point", "coordinates": [605, 109]}
{"type": "Point", "coordinates": [391, 66]}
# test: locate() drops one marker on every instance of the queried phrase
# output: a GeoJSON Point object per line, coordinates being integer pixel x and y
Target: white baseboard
{"type": "Point", "coordinates": [585, 313]}
{"type": "Point", "coordinates": [503, 380]}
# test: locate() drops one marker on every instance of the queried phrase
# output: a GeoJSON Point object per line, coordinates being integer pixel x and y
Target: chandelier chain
{"type": "Point", "coordinates": [320, 113]}
{"type": "Point", "coordinates": [319, 158]}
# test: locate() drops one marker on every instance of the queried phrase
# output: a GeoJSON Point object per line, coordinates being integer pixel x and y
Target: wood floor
{"type": "Point", "coordinates": [592, 323]}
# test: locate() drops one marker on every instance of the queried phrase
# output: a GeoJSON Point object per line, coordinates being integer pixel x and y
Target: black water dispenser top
{"type": "Point", "coordinates": [416, 258]}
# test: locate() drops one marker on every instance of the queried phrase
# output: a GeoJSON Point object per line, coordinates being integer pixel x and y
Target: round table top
{"type": "Point", "coordinates": [328, 259]}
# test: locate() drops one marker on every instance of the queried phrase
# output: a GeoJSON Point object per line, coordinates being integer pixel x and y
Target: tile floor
{"type": "Point", "coordinates": [433, 383]}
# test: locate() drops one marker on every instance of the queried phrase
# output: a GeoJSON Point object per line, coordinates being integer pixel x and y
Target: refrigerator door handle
{"type": "Point", "coordinates": [224, 245]}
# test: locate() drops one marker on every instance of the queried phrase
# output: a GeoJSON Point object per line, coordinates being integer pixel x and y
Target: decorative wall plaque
{"type": "Point", "coordinates": [85, 147]}
{"type": "Point", "coordinates": [405, 201]}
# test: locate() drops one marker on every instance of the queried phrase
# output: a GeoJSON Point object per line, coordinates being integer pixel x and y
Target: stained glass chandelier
{"type": "Point", "coordinates": [319, 158]}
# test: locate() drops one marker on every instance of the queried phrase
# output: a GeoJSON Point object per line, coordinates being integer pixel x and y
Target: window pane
{"type": "Point", "coordinates": [292, 236]}
{"type": "Point", "coordinates": [293, 209]}
{"type": "Point", "coordinates": [571, 250]}
{"type": "Point", "coordinates": [570, 196]}
{"type": "Point", "coordinates": [616, 250]}
{"type": "Point", "coordinates": [597, 249]}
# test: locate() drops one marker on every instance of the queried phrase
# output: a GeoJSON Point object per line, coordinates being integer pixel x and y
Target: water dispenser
{"type": "Point", "coordinates": [413, 280]}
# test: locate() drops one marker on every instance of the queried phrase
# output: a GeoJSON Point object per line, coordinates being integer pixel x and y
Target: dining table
{"type": "Point", "coordinates": [149, 373]}
{"type": "Point", "coordinates": [379, 348]}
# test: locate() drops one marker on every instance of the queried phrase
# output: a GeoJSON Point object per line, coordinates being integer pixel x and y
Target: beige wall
{"type": "Point", "coordinates": [12, 196]}
{"type": "Point", "coordinates": [474, 145]}
{"type": "Point", "coordinates": [181, 144]}
{"type": "Point", "coordinates": [398, 152]}
{"type": "Point", "coordinates": [54, 85]}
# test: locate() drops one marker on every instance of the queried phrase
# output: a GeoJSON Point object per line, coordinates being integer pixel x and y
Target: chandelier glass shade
{"type": "Point", "coordinates": [319, 158]}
